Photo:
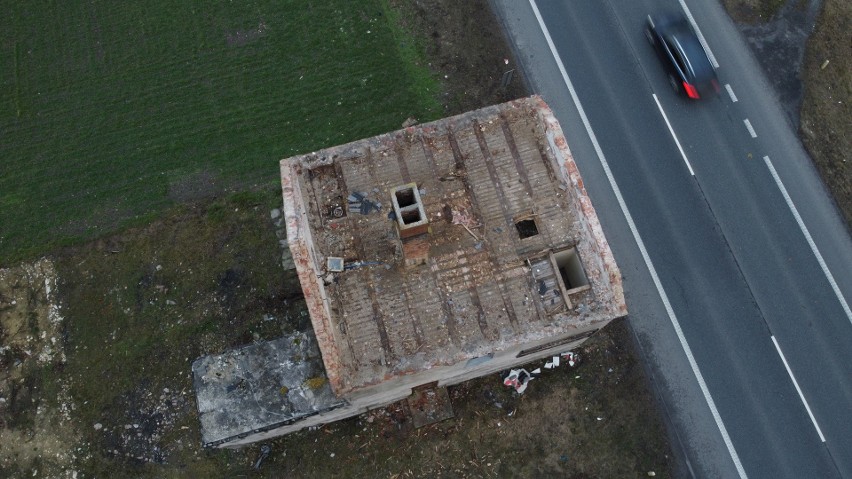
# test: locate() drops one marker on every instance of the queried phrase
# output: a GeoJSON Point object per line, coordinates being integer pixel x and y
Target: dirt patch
{"type": "Point", "coordinates": [36, 430]}
{"type": "Point", "coordinates": [149, 415]}
{"type": "Point", "coordinates": [201, 185]}
{"type": "Point", "coordinates": [467, 51]}
{"type": "Point", "coordinates": [29, 316]}
{"type": "Point", "coordinates": [752, 11]}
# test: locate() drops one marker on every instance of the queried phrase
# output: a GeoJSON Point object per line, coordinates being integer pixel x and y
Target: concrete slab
{"type": "Point", "coordinates": [261, 387]}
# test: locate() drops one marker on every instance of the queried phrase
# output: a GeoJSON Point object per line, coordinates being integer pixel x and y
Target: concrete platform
{"type": "Point", "coordinates": [260, 387]}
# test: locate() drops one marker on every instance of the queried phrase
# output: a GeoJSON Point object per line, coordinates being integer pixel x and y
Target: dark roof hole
{"type": "Point", "coordinates": [526, 228]}
{"type": "Point", "coordinates": [405, 197]}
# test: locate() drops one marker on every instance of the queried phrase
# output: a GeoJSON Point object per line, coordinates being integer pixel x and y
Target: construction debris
{"type": "Point", "coordinates": [264, 453]}
{"type": "Point", "coordinates": [358, 202]}
{"type": "Point", "coordinates": [572, 358]}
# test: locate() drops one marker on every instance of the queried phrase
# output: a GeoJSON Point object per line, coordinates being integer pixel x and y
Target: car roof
{"type": "Point", "coordinates": [682, 36]}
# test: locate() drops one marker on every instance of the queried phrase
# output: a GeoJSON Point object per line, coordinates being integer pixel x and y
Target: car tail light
{"type": "Point", "coordinates": [715, 85]}
{"type": "Point", "coordinates": [691, 92]}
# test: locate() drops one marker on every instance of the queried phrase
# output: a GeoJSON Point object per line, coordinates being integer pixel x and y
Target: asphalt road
{"type": "Point", "coordinates": [736, 262]}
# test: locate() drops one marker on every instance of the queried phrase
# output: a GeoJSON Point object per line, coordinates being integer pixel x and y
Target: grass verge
{"type": "Point", "coordinates": [753, 11]}
{"type": "Point", "coordinates": [826, 120]}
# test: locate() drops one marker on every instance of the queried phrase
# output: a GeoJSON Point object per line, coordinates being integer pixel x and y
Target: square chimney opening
{"type": "Point", "coordinates": [405, 197]}
{"type": "Point", "coordinates": [410, 216]}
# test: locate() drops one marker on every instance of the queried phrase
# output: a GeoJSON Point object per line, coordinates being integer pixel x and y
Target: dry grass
{"type": "Point", "coordinates": [753, 11]}
{"type": "Point", "coordinates": [826, 122]}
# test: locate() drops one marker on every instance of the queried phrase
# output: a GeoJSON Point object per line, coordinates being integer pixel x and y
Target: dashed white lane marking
{"type": "Point", "coordinates": [646, 258]}
{"type": "Point", "coordinates": [673, 135]}
{"type": "Point", "coordinates": [750, 128]}
{"type": "Point", "coordinates": [731, 92]}
{"type": "Point", "coordinates": [798, 389]}
{"type": "Point", "coordinates": [698, 33]}
{"type": "Point", "coordinates": [809, 239]}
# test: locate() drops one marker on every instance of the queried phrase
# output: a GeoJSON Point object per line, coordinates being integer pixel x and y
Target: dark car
{"type": "Point", "coordinates": [689, 69]}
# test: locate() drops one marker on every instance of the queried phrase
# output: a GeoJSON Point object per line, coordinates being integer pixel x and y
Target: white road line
{"type": "Point", "coordinates": [798, 389]}
{"type": "Point", "coordinates": [750, 128]}
{"type": "Point", "coordinates": [663, 296]}
{"type": "Point", "coordinates": [809, 239]}
{"type": "Point", "coordinates": [698, 33]}
{"type": "Point", "coordinates": [673, 134]}
{"type": "Point", "coordinates": [731, 92]}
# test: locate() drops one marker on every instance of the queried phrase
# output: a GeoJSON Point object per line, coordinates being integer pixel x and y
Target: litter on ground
{"type": "Point", "coordinates": [518, 379]}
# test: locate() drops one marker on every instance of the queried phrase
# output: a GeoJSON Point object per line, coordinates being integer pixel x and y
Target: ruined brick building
{"type": "Point", "coordinates": [427, 256]}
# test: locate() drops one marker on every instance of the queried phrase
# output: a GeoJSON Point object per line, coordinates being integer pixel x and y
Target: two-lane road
{"type": "Point", "coordinates": [736, 264]}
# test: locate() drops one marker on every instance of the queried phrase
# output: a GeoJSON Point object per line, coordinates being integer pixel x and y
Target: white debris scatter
{"type": "Point", "coordinates": [518, 379]}
{"type": "Point", "coordinates": [571, 357]}
{"type": "Point", "coordinates": [31, 322]}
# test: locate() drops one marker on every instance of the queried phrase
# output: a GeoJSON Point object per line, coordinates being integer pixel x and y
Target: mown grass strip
{"type": "Point", "coordinates": [113, 107]}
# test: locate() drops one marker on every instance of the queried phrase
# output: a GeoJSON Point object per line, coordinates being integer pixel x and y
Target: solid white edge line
{"type": "Point", "coordinates": [669, 311]}
{"type": "Point", "coordinates": [798, 389]}
{"type": "Point", "coordinates": [669, 125]}
{"type": "Point", "coordinates": [731, 93]}
{"type": "Point", "coordinates": [699, 34]}
{"type": "Point", "coordinates": [809, 239]}
{"type": "Point", "coordinates": [750, 128]}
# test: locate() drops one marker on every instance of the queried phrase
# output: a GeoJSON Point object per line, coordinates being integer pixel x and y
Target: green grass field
{"type": "Point", "coordinates": [110, 113]}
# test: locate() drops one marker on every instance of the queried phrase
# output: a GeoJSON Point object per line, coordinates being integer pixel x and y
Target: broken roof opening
{"type": "Point", "coordinates": [526, 228]}
{"type": "Point", "coordinates": [571, 270]}
{"type": "Point", "coordinates": [572, 277]}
